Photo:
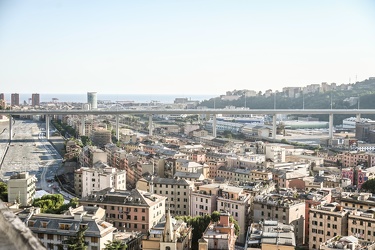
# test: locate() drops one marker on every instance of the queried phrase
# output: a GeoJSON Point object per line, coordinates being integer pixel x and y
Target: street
{"type": "Point", "coordinates": [29, 151]}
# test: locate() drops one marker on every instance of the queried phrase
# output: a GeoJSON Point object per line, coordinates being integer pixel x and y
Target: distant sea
{"type": "Point", "coordinates": [142, 98]}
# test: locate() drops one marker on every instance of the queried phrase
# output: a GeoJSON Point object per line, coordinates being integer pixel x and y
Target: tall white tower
{"type": "Point", "coordinates": [92, 100]}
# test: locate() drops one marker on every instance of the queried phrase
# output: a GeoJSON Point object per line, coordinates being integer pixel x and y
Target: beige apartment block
{"type": "Point", "coordinates": [361, 224]}
{"type": "Point", "coordinates": [237, 203]}
{"type": "Point", "coordinates": [284, 209]}
{"type": "Point", "coordinates": [326, 221]}
{"type": "Point", "coordinates": [21, 188]}
{"type": "Point", "coordinates": [360, 201]}
{"type": "Point", "coordinates": [176, 190]}
{"type": "Point", "coordinates": [243, 175]}
{"type": "Point", "coordinates": [133, 210]}
{"type": "Point", "coordinates": [90, 155]}
{"type": "Point", "coordinates": [99, 177]}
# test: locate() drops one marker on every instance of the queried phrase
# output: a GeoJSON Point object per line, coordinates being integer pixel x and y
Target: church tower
{"type": "Point", "coordinates": [168, 240]}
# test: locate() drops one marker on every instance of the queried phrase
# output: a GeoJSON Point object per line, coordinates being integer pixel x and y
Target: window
{"type": "Point", "coordinates": [143, 218]}
{"type": "Point", "coordinates": [135, 217]}
{"type": "Point", "coordinates": [50, 236]}
{"type": "Point", "coordinates": [94, 240]}
{"type": "Point", "coordinates": [40, 236]}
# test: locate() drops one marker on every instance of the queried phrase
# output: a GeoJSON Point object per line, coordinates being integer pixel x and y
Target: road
{"type": "Point", "coordinates": [29, 151]}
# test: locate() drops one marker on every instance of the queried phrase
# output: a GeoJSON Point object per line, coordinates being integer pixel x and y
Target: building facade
{"type": "Point", "coordinates": [101, 176]}
{"type": "Point", "coordinates": [133, 210]}
{"type": "Point", "coordinates": [21, 188]}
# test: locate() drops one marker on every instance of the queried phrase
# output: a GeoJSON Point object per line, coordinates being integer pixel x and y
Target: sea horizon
{"type": "Point", "coordinates": [137, 98]}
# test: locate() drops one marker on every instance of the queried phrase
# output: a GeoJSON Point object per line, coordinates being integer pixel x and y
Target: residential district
{"type": "Point", "coordinates": [182, 188]}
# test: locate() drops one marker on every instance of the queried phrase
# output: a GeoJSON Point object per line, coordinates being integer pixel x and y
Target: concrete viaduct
{"type": "Point", "coordinates": [214, 112]}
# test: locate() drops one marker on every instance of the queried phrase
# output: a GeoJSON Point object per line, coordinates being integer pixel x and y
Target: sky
{"type": "Point", "coordinates": [183, 47]}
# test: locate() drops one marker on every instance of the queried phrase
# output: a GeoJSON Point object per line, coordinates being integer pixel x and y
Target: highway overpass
{"type": "Point", "coordinates": [151, 111]}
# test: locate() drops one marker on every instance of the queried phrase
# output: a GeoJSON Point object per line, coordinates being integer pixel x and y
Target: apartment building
{"type": "Point", "coordinates": [176, 190]}
{"type": "Point", "coordinates": [35, 99]}
{"type": "Point", "coordinates": [204, 199]}
{"type": "Point", "coordinates": [183, 165]}
{"type": "Point", "coordinates": [237, 202]}
{"type": "Point", "coordinates": [243, 175]}
{"type": "Point", "coordinates": [312, 199]}
{"type": "Point", "coordinates": [357, 201]}
{"type": "Point", "coordinates": [284, 209]}
{"type": "Point", "coordinates": [99, 177]}
{"type": "Point", "coordinates": [275, 153]}
{"type": "Point", "coordinates": [133, 210]}
{"type": "Point", "coordinates": [14, 99]}
{"type": "Point", "coordinates": [326, 221]}
{"type": "Point", "coordinates": [101, 137]}
{"type": "Point", "coordinates": [361, 224]}
{"type": "Point", "coordinates": [90, 155]}
{"type": "Point", "coordinates": [270, 235]}
{"type": "Point", "coordinates": [54, 230]}
{"type": "Point", "coordinates": [22, 188]}
{"type": "Point", "coordinates": [249, 161]}
{"type": "Point", "coordinates": [219, 235]}
{"type": "Point", "coordinates": [358, 175]}
{"type": "Point", "coordinates": [353, 159]}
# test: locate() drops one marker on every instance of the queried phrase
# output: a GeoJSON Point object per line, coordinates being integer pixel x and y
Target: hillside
{"type": "Point", "coordinates": [365, 90]}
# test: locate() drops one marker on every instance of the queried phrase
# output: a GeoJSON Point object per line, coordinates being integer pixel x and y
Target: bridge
{"type": "Point", "coordinates": [273, 112]}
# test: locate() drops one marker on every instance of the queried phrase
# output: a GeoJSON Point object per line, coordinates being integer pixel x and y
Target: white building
{"type": "Point", "coordinates": [101, 176]}
{"type": "Point", "coordinates": [275, 153]}
{"type": "Point", "coordinates": [21, 188]}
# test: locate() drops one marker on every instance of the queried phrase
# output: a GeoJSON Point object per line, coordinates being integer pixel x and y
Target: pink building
{"type": "Point", "coordinates": [133, 210]}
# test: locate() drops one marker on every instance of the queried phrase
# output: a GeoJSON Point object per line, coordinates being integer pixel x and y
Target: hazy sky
{"type": "Point", "coordinates": [182, 47]}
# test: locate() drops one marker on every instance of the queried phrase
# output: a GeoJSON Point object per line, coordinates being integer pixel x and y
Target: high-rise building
{"type": "Point", "coordinates": [2, 103]}
{"type": "Point", "coordinates": [92, 100]}
{"type": "Point", "coordinates": [35, 100]}
{"type": "Point", "coordinates": [15, 99]}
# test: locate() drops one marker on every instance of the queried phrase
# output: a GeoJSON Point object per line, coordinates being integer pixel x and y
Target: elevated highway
{"type": "Point", "coordinates": [214, 112]}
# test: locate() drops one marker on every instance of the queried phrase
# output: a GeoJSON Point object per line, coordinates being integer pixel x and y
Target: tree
{"type": "Point", "coordinates": [77, 242]}
{"type": "Point", "coordinates": [54, 203]}
{"type": "Point", "coordinates": [369, 186]}
{"type": "Point", "coordinates": [115, 245]}
{"type": "Point", "coordinates": [3, 191]}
